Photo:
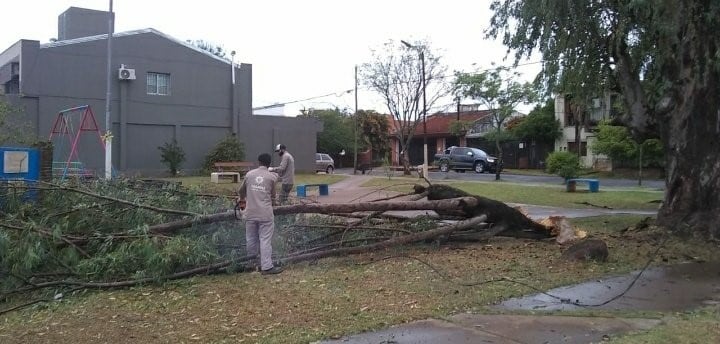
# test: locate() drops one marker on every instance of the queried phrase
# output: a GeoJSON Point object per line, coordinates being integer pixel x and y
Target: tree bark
{"type": "Point", "coordinates": [687, 116]}
{"type": "Point", "coordinates": [692, 197]}
{"type": "Point", "coordinates": [443, 204]}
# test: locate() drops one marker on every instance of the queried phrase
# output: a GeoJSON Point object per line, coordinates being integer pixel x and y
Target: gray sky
{"type": "Point", "coordinates": [298, 49]}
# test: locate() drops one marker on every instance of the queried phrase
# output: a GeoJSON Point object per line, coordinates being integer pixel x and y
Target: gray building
{"type": "Point", "coordinates": [162, 89]}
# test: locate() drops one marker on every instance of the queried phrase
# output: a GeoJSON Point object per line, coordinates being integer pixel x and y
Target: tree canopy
{"type": "Point", "coordinates": [539, 125]}
{"type": "Point", "coordinates": [661, 56]}
{"type": "Point", "coordinates": [14, 129]}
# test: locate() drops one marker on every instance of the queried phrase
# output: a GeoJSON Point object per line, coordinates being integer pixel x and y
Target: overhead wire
{"type": "Point", "coordinates": [366, 88]}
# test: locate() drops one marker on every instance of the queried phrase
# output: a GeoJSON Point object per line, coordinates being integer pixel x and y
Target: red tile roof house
{"type": "Point", "coordinates": [438, 134]}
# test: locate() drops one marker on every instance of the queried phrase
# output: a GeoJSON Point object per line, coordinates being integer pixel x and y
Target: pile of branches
{"type": "Point", "coordinates": [122, 233]}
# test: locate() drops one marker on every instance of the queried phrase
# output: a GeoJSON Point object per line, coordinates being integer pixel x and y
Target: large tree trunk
{"type": "Point", "coordinates": [688, 119]}
{"type": "Point", "coordinates": [692, 135]}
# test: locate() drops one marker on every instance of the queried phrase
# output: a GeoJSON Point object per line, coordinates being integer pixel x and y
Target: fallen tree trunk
{"type": "Point", "coordinates": [320, 209]}
{"type": "Point", "coordinates": [516, 224]}
{"type": "Point", "coordinates": [454, 203]}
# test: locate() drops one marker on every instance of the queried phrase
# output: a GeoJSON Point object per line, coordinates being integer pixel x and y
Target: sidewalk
{"type": "Point", "coordinates": [659, 289]}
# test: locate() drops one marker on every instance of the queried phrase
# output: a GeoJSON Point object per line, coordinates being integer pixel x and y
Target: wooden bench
{"type": "Point", "coordinates": [216, 176]}
{"type": "Point", "coordinates": [593, 184]}
{"type": "Point", "coordinates": [232, 169]}
{"type": "Point", "coordinates": [301, 189]}
{"type": "Point", "coordinates": [241, 167]}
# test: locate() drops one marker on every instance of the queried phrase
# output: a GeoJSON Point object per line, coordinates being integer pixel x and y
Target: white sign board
{"type": "Point", "coordinates": [15, 162]}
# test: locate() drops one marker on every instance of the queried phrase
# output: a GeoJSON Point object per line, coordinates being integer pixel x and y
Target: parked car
{"type": "Point", "coordinates": [324, 163]}
{"type": "Point", "coordinates": [461, 159]}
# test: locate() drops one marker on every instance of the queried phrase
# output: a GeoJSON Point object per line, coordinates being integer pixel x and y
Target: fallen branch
{"type": "Point", "coordinates": [47, 233]}
{"type": "Point", "coordinates": [118, 200]}
{"type": "Point", "coordinates": [187, 223]}
{"type": "Point", "coordinates": [396, 241]}
{"type": "Point", "coordinates": [353, 228]}
{"type": "Point", "coordinates": [129, 283]}
{"type": "Point", "coordinates": [338, 243]}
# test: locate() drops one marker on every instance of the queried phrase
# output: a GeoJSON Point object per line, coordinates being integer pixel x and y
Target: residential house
{"type": "Point", "coordinates": [601, 109]}
{"type": "Point", "coordinates": [439, 135]}
{"type": "Point", "coordinates": [162, 89]}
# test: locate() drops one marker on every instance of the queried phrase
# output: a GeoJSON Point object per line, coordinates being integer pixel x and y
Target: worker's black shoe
{"type": "Point", "coordinates": [273, 271]}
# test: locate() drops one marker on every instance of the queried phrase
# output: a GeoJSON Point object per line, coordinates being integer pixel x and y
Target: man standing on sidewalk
{"type": "Point", "coordinates": [286, 171]}
{"type": "Point", "coordinates": [258, 190]}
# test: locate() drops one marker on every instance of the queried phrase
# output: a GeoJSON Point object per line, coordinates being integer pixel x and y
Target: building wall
{"type": "Point", "coordinates": [203, 106]}
{"type": "Point", "coordinates": [81, 22]}
{"type": "Point", "coordinates": [590, 160]}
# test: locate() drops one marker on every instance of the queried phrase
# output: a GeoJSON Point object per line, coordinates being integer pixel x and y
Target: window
{"type": "Point", "coordinates": [158, 83]}
{"type": "Point", "coordinates": [572, 147]}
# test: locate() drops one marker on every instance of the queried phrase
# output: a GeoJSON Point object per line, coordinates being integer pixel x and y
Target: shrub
{"type": "Point", "coordinates": [172, 155]}
{"type": "Point", "coordinates": [228, 149]}
{"type": "Point", "coordinates": [564, 164]}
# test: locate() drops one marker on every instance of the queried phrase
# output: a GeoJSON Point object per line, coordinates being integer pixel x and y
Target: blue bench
{"type": "Point", "coordinates": [593, 184]}
{"type": "Point", "coordinates": [323, 188]}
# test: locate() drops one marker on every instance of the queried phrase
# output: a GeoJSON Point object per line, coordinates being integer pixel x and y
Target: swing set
{"type": "Point", "coordinates": [70, 165]}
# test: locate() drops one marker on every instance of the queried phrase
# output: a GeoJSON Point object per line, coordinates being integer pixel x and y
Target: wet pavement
{"type": "Point", "coordinates": [473, 328]}
{"type": "Point", "coordinates": [673, 288]}
{"type": "Point", "coordinates": [657, 289]}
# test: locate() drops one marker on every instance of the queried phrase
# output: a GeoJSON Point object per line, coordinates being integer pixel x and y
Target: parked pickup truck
{"type": "Point", "coordinates": [461, 159]}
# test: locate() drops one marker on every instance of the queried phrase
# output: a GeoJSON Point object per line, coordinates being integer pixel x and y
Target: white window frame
{"type": "Point", "coordinates": [152, 83]}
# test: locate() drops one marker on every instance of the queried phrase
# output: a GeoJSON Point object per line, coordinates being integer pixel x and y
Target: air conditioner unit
{"type": "Point", "coordinates": [125, 73]}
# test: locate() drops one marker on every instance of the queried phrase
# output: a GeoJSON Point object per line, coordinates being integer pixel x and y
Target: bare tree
{"type": "Point", "coordinates": [395, 72]}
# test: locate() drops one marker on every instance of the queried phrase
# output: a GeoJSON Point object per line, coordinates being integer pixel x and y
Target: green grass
{"type": "Point", "coordinates": [699, 326]}
{"type": "Point", "coordinates": [334, 297]}
{"type": "Point", "coordinates": [539, 195]}
{"type": "Point", "coordinates": [224, 187]}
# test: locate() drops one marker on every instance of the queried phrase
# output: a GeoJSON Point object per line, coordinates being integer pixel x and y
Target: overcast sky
{"type": "Point", "coordinates": [298, 49]}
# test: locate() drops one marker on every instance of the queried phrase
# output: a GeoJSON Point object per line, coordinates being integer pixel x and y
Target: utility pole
{"type": "Point", "coordinates": [356, 123]}
{"type": "Point", "coordinates": [425, 147]}
{"type": "Point", "coordinates": [108, 124]}
{"type": "Point", "coordinates": [421, 51]}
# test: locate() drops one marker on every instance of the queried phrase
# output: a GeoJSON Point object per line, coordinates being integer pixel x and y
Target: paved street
{"type": "Point", "coordinates": [524, 179]}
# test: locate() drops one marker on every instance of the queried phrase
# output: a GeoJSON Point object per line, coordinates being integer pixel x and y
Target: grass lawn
{"type": "Point", "coordinates": [225, 187]}
{"type": "Point", "coordinates": [334, 297]}
{"type": "Point", "coordinates": [538, 195]}
{"type": "Point", "coordinates": [698, 326]}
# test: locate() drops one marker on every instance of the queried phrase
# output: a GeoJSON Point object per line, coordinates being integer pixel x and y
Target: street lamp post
{"type": "Point", "coordinates": [107, 138]}
{"type": "Point", "coordinates": [425, 146]}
